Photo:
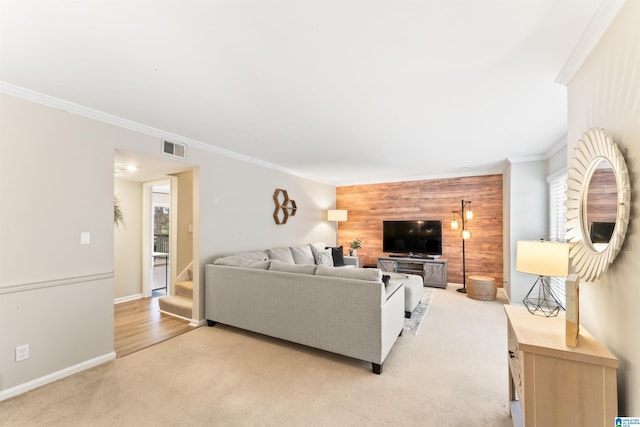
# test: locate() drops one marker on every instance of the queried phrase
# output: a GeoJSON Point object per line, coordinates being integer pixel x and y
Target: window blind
{"type": "Point", "coordinates": [557, 224]}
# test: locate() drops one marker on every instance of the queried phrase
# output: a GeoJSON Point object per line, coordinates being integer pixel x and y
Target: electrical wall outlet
{"type": "Point", "coordinates": [22, 352]}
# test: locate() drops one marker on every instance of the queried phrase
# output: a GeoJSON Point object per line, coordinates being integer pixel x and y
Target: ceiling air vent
{"type": "Point", "coordinates": [174, 149]}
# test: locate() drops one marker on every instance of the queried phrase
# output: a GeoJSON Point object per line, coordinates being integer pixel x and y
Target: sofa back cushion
{"type": "Point", "coordinates": [302, 254]}
{"type": "Point", "coordinates": [281, 254]}
{"type": "Point", "coordinates": [371, 274]}
{"type": "Point", "coordinates": [239, 261]}
{"type": "Point", "coordinates": [254, 255]}
{"type": "Point", "coordinates": [292, 268]}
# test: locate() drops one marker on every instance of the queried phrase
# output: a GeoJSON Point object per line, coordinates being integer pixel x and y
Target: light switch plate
{"type": "Point", "coordinates": [85, 238]}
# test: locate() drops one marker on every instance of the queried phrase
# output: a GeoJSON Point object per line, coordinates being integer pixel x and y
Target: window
{"type": "Point", "coordinates": [557, 224]}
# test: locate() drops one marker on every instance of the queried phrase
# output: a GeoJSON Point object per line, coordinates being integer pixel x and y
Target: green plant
{"type": "Point", "coordinates": [355, 244]}
{"type": "Point", "coordinates": [118, 217]}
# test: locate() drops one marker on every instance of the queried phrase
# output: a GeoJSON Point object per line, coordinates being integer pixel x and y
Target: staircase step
{"type": "Point", "coordinates": [184, 288]}
{"type": "Point", "coordinates": [179, 306]}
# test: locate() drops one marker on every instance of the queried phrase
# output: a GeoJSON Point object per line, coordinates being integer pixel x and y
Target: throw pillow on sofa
{"type": "Point", "coordinates": [337, 254]}
{"type": "Point", "coordinates": [322, 256]}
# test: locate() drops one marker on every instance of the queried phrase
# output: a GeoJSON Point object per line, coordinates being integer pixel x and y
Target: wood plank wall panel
{"type": "Point", "coordinates": [602, 197]}
{"type": "Point", "coordinates": [369, 205]}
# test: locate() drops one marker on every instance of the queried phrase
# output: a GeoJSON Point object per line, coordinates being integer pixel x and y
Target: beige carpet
{"type": "Point", "coordinates": [452, 373]}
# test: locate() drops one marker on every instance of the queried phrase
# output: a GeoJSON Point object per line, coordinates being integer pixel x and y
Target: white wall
{"type": "Point", "coordinates": [128, 241]}
{"type": "Point", "coordinates": [605, 93]}
{"type": "Point", "coordinates": [528, 219]}
{"type": "Point", "coordinates": [57, 295]}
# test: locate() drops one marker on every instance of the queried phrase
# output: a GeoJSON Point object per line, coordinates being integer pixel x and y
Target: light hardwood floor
{"type": "Point", "coordinates": [139, 324]}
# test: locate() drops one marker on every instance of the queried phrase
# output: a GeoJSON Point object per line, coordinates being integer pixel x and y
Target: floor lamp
{"type": "Point", "coordinates": [465, 234]}
{"type": "Point", "coordinates": [337, 215]}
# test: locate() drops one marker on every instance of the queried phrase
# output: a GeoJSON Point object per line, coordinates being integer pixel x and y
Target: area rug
{"type": "Point", "coordinates": [412, 324]}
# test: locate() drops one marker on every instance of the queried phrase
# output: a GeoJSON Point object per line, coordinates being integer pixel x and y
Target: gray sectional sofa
{"type": "Point", "coordinates": [348, 311]}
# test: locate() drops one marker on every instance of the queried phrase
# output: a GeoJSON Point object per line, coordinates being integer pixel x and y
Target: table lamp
{"type": "Point", "coordinates": [544, 259]}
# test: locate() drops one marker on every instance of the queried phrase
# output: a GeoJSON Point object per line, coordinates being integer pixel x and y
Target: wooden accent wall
{"type": "Point", "coordinates": [369, 205]}
{"type": "Point", "coordinates": [602, 197]}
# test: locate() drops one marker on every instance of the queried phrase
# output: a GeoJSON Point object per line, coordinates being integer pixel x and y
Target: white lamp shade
{"type": "Point", "coordinates": [337, 215]}
{"type": "Point", "coordinates": [543, 258]}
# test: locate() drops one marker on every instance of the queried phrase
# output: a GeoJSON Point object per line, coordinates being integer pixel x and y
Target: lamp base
{"type": "Point", "coordinates": [462, 290]}
{"type": "Point", "coordinates": [544, 303]}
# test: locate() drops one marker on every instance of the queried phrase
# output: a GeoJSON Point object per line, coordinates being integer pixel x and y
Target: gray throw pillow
{"type": "Point", "coordinates": [292, 268]}
{"type": "Point", "coordinates": [281, 254]}
{"type": "Point", "coordinates": [238, 261]}
{"type": "Point", "coordinates": [322, 256]}
{"type": "Point", "coordinates": [302, 254]}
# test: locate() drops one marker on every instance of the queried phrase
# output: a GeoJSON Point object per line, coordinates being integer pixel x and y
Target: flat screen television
{"type": "Point", "coordinates": [413, 238]}
{"type": "Point", "coordinates": [600, 232]}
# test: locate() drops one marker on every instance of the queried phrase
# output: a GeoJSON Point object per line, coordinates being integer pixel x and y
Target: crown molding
{"type": "Point", "coordinates": [70, 107]}
{"type": "Point", "coordinates": [498, 170]}
{"type": "Point", "coordinates": [557, 147]}
{"type": "Point", "coordinates": [593, 33]}
{"type": "Point", "coordinates": [527, 159]}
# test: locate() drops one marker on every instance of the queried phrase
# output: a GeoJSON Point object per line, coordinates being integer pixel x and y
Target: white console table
{"type": "Point", "coordinates": [433, 271]}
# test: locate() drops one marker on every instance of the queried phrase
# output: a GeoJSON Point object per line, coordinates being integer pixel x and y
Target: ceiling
{"type": "Point", "coordinates": [339, 91]}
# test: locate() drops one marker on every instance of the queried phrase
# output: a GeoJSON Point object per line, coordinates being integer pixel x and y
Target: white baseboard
{"type": "Point", "coordinates": [127, 299]}
{"type": "Point", "coordinates": [55, 376]}
{"type": "Point", "coordinates": [197, 323]}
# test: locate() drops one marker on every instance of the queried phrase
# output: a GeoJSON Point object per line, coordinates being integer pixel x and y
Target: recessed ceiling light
{"type": "Point", "coordinates": [132, 168]}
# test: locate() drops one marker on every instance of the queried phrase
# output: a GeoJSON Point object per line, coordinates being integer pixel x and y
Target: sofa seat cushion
{"type": "Point", "coordinates": [292, 268]}
{"type": "Point", "coordinates": [371, 274]}
{"type": "Point", "coordinates": [281, 254]}
{"type": "Point", "coordinates": [240, 261]}
{"type": "Point", "coordinates": [302, 254]}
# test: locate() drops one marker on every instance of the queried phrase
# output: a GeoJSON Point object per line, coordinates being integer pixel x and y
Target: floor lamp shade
{"type": "Point", "coordinates": [543, 258]}
{"type": "Point", "coordinates": [337, 215]}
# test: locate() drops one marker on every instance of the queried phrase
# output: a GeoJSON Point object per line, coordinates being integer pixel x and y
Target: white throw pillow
{"type": "Point", "coordinates": [322, 256]}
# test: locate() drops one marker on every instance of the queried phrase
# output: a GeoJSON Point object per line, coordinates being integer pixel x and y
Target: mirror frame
{"type": "Point", "coordinates": [594, 147]}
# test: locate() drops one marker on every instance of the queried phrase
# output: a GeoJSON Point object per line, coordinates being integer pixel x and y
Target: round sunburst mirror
{"type": "Point", "coordinates": [598, 204]}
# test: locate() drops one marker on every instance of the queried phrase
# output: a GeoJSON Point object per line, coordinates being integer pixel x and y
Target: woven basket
{"type": "Point", "coordinates": [482, 288]}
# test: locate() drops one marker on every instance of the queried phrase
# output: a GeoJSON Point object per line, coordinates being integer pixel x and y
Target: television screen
{"type": "Point", "coordinates": [600, 232]}
{"type": "Point", "coordinates": [412, 237]}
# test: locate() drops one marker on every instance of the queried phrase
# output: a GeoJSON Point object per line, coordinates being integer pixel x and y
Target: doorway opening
{"type": "Point", "coordinates": [161, 221]}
